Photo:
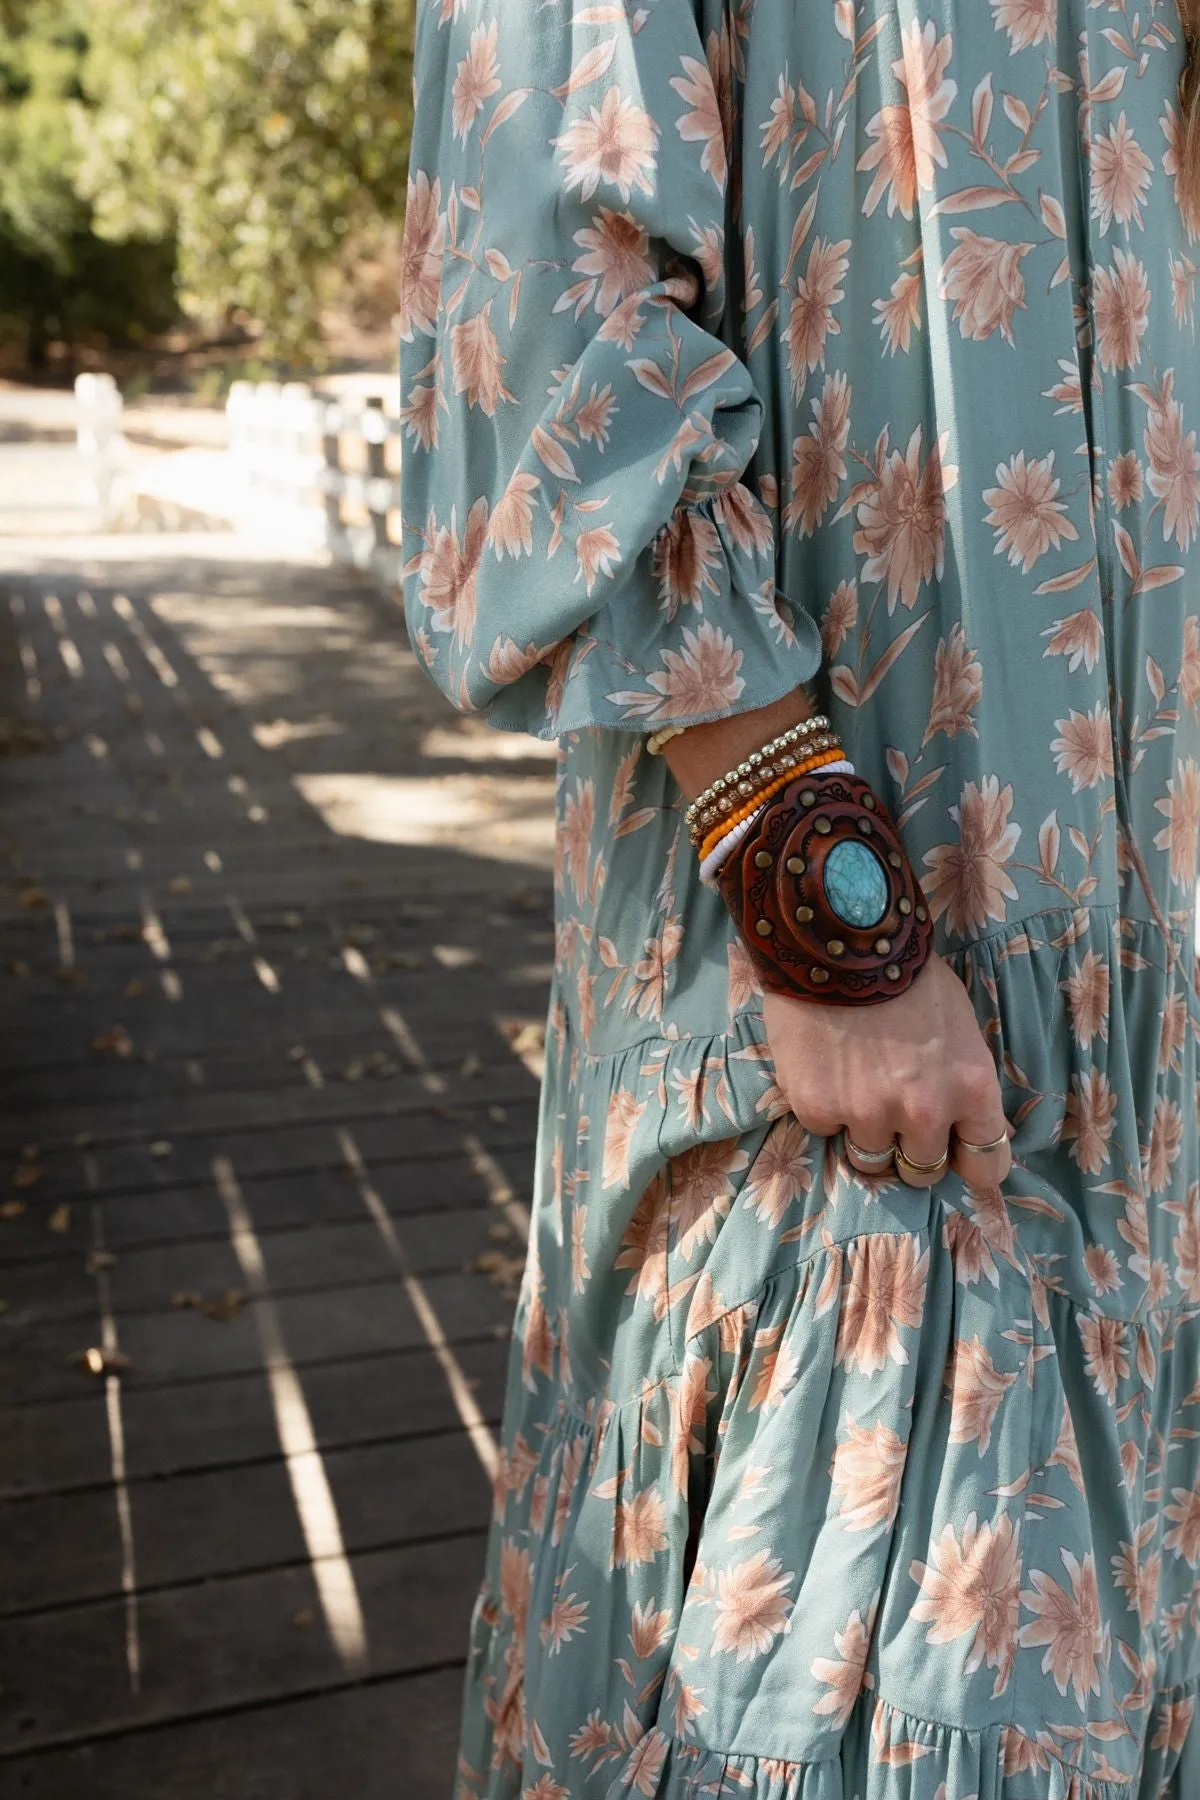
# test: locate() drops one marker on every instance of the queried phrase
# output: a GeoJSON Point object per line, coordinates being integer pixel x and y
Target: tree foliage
{"type": "Point", "coordinates": [57, 276]}
{"type": "Point", "coordinates": [262, 138]}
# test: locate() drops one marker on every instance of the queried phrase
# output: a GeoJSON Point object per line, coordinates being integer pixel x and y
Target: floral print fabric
{"type": "Point", "coordinates": [741, 344]}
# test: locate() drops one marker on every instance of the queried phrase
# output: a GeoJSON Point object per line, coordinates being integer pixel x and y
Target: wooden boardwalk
{"type": "Point", "coordinates": [275, 933]}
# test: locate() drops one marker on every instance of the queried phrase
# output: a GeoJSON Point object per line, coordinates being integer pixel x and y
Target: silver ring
{"type": "Point", "coordinates": [874, 1159]}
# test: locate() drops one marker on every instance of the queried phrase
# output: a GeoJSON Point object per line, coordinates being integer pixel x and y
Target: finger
{"type": "Point", "coordinates": [870, 1150]}
{"type": "Point", "coordinates": [923, 1156]}
{"type": "Point", "coordinates": [816, 1118]}
{"type": "Point", "coordinates": [971, 1156]}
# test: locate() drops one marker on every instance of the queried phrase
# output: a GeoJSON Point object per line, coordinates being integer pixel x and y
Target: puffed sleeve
{"type": "Point", "coordinates": [580, 548]}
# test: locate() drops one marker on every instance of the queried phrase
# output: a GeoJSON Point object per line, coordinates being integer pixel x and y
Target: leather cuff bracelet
{"type": "Point", "coordinates": [825, 897]}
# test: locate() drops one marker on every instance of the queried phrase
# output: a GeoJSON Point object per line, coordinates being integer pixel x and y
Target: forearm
{"type": "Point", "coordinates": [704, 752]}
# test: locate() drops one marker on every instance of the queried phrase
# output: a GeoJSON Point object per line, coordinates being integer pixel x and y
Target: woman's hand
{"type": "Point", "coordinates": [914, 1071]}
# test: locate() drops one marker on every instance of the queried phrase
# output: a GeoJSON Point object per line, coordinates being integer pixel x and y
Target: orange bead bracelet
{"type": "Point", "coordinates": [808, 767]}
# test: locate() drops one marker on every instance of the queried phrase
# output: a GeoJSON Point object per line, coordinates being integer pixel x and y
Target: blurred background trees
{"type": "Point", "coordinates": [237, 164]}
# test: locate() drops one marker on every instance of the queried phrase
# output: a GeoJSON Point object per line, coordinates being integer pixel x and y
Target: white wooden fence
{"type": "Point", "coordinates": [309, 468]}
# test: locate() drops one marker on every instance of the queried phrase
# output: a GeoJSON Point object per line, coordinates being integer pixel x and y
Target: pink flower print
{"type": "Point", "coordinates": [1124, 481]}
{"type": "Point", "coordinates": [1181, 808]}
{"type": "Point", "coordinates": [448, 572]}
{"type": "Point", "coordinates": [841, 616]}
{"type": "Point", "coordinates": [476, 79]}
{"type": "Point", "coordinates": [1174, 472]}
{"type": "Point", "coordinates": [1079, 637]}
{"type": "Point", "coordinates": [1183, 1511]}
{"type": "Point", "coordinates": [1105, 1352]}
{"type": "Point", "coordinates": [883, 1293]}
{"type": "Point", "coordinates": [847, 1675]}
{"type": "Point", "coordinates": [685, 555]}
{"type": "Point", "coordinates": [616, 253]}
{"type": "Point", "coordinates": [1166, 1144]}
{"type": "Point", "coordinates": [596, 552]}
{"type": "Point", "coordinates": [957, 687]}
{"type": "Point", "coordinates": [1026, 513]}
{"type": "Point", "coordinates": [1085, 749]}
{"type": "Point", "coordinates": [1087, 990]}
{"type": "Point", "coordinates": [977, 1388]}
{"type": "Point", "coordinates": [421, 257]}
{"type": "Point", "coordinates": [1088, 1121]}
{"type": "Point", "coordinates": [699, 681]}
{"type": "Point", "coordinates": [1070, 1624]}
{"type": "Point", "coordinates": [811, 319]}
{"type": "Point", "coordinates": [900, 314]}
{"type": "Point", "coordinates": [615, 143]}
{"type": "Point", "coordinates": [868, 1468]}
{"type": "Point", "coordinates": [752, 1606]}
{"type": "Point", "coordinates": [902, 520]}
{"type": "Point", "coordinates": [967, 882]}
{"type": "Point", "coordinates": [908, 145]}
{"type": "Point", "coordinates": [818, 458]}
{"type": "Point", "coordinates": [639, 1529]}
{"type": "Point", "coordinates": [1121, 305]}
{"type": "Point", "coordinates": [704, 124]}
{"type": "Point", "coordinates": [1027, 22]}
{"type": "Point", "coordinates": [984, 280]}
{"type": "Point", "coordinates": [971, 1587]}
{"type": "Point", "coordinates": [625, 1112]}
{"type": "Point", "coordinates": [1121, 174]}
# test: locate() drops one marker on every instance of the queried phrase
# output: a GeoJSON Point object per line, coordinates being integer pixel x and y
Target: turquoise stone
{"type": "Point", "coordinates": [855, 884]}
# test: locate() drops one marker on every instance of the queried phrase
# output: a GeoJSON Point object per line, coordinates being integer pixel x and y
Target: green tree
{"type": "Point", "coordinates": [57, 276]}
{"type": "Point", "coordinates": [263, 138]}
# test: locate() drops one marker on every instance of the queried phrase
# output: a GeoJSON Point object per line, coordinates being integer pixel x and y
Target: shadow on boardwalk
{"type": "Point", "coordinates": [275, 934]}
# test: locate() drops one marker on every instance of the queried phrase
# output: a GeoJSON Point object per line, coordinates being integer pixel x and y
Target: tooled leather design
{"type": "Point", "coordinates": [774, 886]}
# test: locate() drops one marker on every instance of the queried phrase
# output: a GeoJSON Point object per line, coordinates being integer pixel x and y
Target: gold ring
{"type": "Point", "coordinates": [919, 1168]}
{"type": "Point", "coordinates": [984, 1149]}
{"type": "Point", "coordinates": [874, 1159]}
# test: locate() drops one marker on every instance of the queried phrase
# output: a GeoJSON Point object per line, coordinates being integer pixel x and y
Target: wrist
{"type": "Point", "coordinates": [824, 896]}
{"type": "Point", "coordinates": [703, 752]}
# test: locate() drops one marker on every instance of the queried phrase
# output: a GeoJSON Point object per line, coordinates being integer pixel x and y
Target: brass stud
{"type": "Point", "coordinates": [808, 797]}
{"type": "Point", "coordinates": [820, 976]}
{"type": "Point", "coordinates": [892, 972]}
{"type": "Point", "coordinates": [896, 860]}
{"type": "Point", "coordinates": [836, 947]}
{"type": "Point", "coordinates": [883, 946]}
{"type": "Point", "coordinates": [804, 915]}
{"type": "Point", "coordinates": [823, 826]}
{"type": "Point", "coordinates": [922, 915]}
{"type": "Point", "coordinates": [763, 859]}
{"type": "Point", "coordinates": [868, 801]}
{"type": "Point", "coordinates": [796, 865]}
{"type": "Point", "coordinates": [865, 826]}
{"type": "Point", "coordinates": [905, 906]}
{"type": "Point", "coordinates": [763, 928]}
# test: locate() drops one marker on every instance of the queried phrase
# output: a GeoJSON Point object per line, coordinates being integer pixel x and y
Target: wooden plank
{"type": "Point", "coordinates": [180, 1346]}
{"type": "Point", "coordinates": [318, 1256]}
{"type": "Point", "coordinates": [277, 1202]}
{"type": "Point", "coordinates": [139, 1168]}
{"type": "Point", "coordinates": [230, 1420]}
{"type": "Point", "coordinates": [189, 1528]}
{"type": "Point", "coordinates": [395, 1737]}
{"type": "Point", "coordinates": [234, 1642]}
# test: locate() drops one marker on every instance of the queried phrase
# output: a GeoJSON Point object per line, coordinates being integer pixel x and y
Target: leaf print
{"type": "Point", "coordinates": [752, 1606]}
{"type": "Point", "coordinates": [983, 278]}
{"type": "Point", "coordinates": [703, 124]}
{"type": "Point", "coordinates": [1182, 810]}
{"type": "Point", "coordinates": [957, 690]}
{"type": "Point", "coordinates": [888, 660]}
{"type": "Point", "coordinates": [702, 1192]}
{"type": "Point", "coordinates": [625, 1114]}
{"type": "Point", "coordinates": [811, 317]}
{"type": "Point", "coordinates": [639, 1530]}
{"type": "Point", "coordinates": [1088, 1122]}
{"type": "Point", "coordinates": [1027, 22]}
{"type": "Point", "coordinates": [589, 68]}
{"type": "Point", "coordinates": [781, 1173]}
{"type": "Point", "coordinates": [972, 1587]}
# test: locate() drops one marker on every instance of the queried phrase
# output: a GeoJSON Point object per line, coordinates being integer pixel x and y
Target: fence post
{"type": "Point", "coordinates": [99, 439]}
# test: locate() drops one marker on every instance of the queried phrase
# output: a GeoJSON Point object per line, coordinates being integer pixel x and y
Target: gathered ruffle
{"type": "Point", "coordinates": [887, 1754]}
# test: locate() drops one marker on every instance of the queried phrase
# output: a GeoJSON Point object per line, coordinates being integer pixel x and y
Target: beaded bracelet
{"type": "Point", "coordinates": [808, 767]}
{"type": "Point", "coordinates": [712, 864]}
{"type": "Point", "coordinates": [656, 742]}
{"type": "Point", "coordinates": [746, 770]}
{"type": "Point", "coordinates": [731, 801]}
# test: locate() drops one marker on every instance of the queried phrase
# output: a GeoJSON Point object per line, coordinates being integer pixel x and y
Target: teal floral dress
{"type": "Point", "coordinates": [749, 343]}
